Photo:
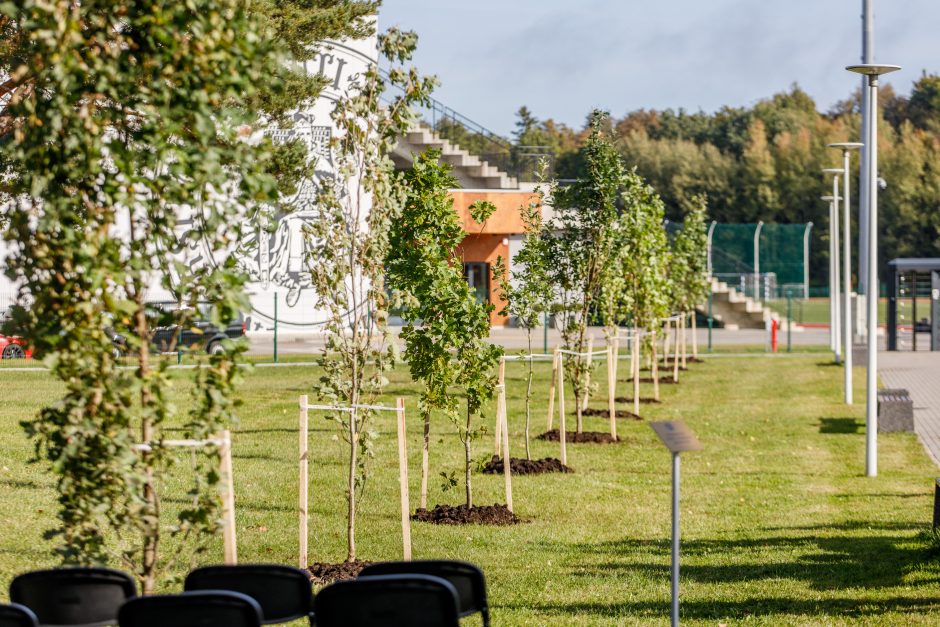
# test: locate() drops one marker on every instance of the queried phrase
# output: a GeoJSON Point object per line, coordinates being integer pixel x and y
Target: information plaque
{"type": "Point", "coordinates": [677, 436]}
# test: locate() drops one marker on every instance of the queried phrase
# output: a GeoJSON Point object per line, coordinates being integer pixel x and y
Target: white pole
{"type": "Point", "coordinates": [871, 400]}
{"type": "Point", "coordinates": [675, 539]}
{"type": "Point", "coordinates": [809, 227]}
{"type": "Point", "coordinates": [836, 267]}
{"type": "Point", "coordinates": [847, 273]}
{"type": "Point", "coordinates": [832, 309]}
{"type": "Point", "coordinates": [864, 184]}
{"type": "Point", "coordinates": [711, 232]}
{"type": "Point", "coordinates": [760, 225]}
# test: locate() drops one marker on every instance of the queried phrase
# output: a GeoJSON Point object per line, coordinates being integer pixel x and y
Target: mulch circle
{"type": "Point", "coordinates": [662, 380]}
{"type": "Point", "coordinates": [461, 515]}
{"type": "Point", "coordinates": [520, 466]}
{"type": "Point", "coordinates": [323, 573]}
{"type": "Point", "coordinates": [695, 360]}
{"type": "Point", "coordinates": [604, 413]}
{"type": "Point", "coordinates": [585, 437]}
{"type": "Point", "coordinates": [643, 401]}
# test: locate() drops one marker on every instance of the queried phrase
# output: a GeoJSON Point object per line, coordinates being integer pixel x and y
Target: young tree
{"type": "Point", "coordinates": [527, 292]}
{"type": "Point", "coordinates": [646, 262]}
{"type": "Point", "coordinates": [581, 244]}
{"type": "Point", "coordinates": [349, 239]}
{"type": "Point", "coordinates": [690, 261]}
{"type": "Point", "coordinates": [444, 319]}
{"type": "Point", "coordinates": [118, 126]}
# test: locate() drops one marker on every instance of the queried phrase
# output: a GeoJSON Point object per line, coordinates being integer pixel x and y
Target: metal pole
{"type": "Point", "coordinates": [711, 232]}
{"type": "Point", "coordinates": [809, 227]}
{"type": "Point", "coordinates": [760, 225]}
{"type": "Point", "coordinates": [832, 309]}
{"type": "Point", "coordinates": [871, 392]}
{"type": "Point", "coordinates": [675, 539]}
{"type": "Point", "coordinates": [847, 274]}
{"type": "Point", "coordinates": [789, 321]}
{"type": "Point", "coordinates": [275, 327]}
{"type": "Point", "coordinates": [864, 184]}
{"type": "Point", "coordinates": [836, 267]}
{"type": "Point", "coordinates": [711, 291]}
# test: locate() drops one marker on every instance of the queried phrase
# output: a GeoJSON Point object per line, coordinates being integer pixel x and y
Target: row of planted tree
{"type": "Point", "coordinates": [96, 184]}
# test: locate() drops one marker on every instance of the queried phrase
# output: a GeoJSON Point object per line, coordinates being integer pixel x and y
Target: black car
{"type": "Point", "coordinates": [197, 333]}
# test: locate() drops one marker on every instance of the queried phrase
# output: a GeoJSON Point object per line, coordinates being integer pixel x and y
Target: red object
{"type": "Point", "coordinates": [14, 347]}
{"type": "Point", "coordinates": [774, 326]}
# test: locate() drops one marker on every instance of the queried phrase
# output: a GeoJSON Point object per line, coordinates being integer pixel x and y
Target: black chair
{"type": "Point", "coordinates": [388, 601]}
{"type": "Point", "coordinates": [14, 615]}
{"type": "Point", "coordinates": [218, 608]}
{"type": "Point", "coordinates": [77, 597]}
{"type": "Point", "coordinates": [283, 592]}
{"type": "Point", "coordinates": [465, 577]}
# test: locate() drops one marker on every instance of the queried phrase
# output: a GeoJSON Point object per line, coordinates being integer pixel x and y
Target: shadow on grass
{"type": "Point", "coordinates": [840, 425]}
{"type": "Point", "coordinates": [744, 608]}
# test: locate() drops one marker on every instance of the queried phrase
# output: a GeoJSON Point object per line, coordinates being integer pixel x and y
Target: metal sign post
{"type": "Point", "coordinates": [677, 437]}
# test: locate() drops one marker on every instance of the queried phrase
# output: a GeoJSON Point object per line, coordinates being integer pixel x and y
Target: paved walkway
{"type": "Point", "coordinates": [919, 373]}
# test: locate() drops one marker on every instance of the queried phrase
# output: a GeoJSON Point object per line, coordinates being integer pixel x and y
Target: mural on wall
{"type": "Point", "coordinates": [277, 260]}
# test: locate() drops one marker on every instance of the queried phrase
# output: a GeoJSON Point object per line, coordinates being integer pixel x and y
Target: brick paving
{"type": "Point", "coordinates": [919, 373]}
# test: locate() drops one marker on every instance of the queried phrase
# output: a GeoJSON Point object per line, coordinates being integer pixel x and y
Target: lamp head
{"type": "Point", "coordinates": [847, 145]}
{"type": "Point", "coordinates": [826, 198]}
{"type": "Point", "coordinates": [836, 171]}
{"type": "Point", "coordinates": [873, 69]}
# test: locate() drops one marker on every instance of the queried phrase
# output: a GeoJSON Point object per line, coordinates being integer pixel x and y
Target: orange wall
{"type": "Point", "coordinates": [486, 248]}
{"type": "Point", "coordinates": [505, 220]}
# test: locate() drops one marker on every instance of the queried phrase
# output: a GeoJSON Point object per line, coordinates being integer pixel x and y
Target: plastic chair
{"type": "Point", "coordinates": [14, 615]}
{"type": "Point", "coordinates": [465, 577]}
{"type": "Point", "coordinates": [388, 601]}
{"type": "Point", "coordinates": [76, 597]}
{"type": "Point", "coordinates": [283, 592]}
{"type": "Point", "coordinates": [217, 608]}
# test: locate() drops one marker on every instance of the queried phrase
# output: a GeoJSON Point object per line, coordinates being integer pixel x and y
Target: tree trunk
{"type": "Point", "coordinates": [151, 529]}
{"type": "Point", "coordinates": [528, 400]}
{"type": "Point", "coordinates": [425, 456]}
{"type": "Point", "coordinates": [466, 448]}
{"type": "Point", "coordinates": [694, 336]}
{"type": "Point", "coordinates": [635, 368]}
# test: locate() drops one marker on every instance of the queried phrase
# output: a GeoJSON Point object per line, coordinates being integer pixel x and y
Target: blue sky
{"type": "Point", "coordinates": [563, 57]}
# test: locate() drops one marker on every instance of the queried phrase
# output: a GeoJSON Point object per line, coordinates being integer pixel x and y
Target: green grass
{"type": "Point", "coordinates": [779, 524]}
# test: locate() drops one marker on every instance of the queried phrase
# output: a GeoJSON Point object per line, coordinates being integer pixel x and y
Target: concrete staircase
{"type": "Point", "coordinates": [471, 171]}
{"type": "Point", "coordinates": [734, 310]}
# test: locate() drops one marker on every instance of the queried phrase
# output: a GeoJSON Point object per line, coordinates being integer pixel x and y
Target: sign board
{"type": "Point", "coordinates": [677, 437]}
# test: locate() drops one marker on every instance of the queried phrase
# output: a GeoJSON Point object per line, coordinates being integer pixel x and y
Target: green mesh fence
{"type": "Point", "coordinates": [779, 266]}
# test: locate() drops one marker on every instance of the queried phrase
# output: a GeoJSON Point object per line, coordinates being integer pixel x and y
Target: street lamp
{"type": "Point", "coordinates": [872, 71]}
{"type": "Point", "coordinates": [847, 148]}
{"type": "Point", "coordinates": [833, 268]}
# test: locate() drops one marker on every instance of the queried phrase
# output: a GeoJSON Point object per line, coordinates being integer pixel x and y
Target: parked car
{"type": "Point", "coordinates": [14, 347]}
{"type": "Point", "coordinates": [168, 337]}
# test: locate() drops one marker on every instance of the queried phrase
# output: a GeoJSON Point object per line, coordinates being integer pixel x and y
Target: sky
{"type": "Point", "coordinates": [563, 57]}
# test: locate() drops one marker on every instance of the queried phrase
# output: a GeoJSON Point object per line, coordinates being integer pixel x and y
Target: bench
{"type": "Point", "coordinates": [895, 411]}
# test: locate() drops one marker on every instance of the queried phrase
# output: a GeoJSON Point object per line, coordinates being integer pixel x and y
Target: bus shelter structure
{"type": "Point", "coordinates": [909, 279]}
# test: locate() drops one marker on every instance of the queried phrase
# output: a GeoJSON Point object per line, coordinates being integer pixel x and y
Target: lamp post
{"type": "Point", "coordinates": [847, 148]}
{"type": "Point", "coordinates": [836, 266]}
{"type": "Point", "coordinates": [833, 344]}
{"type": "Point", "coordinates": [872, 71]}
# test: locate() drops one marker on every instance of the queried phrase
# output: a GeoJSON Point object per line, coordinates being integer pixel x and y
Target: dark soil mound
{"type": "Point", "coordinates": [695, 360]}
{"type": "Point", "coordinates": [461, 515]}
{"type": "Point", "coordinates": [619, 413]}
{"type": "Point", "coordinates": [586, 437]}
{"type": "Point", "coordinates": [322, 573]}
{"type": "Point", "coordinates": [662, 380]}
{"type": "Point", "coordinates": [643, 401]}
{"type": "Point", "coordinates": [525, 466]}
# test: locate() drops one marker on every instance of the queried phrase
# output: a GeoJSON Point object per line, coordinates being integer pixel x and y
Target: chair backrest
{"type": "Point", "coordinates": [218, 608]}
{"type": "Point", "coordinates": [77, 597]}
{"type": "Point", "coordinates": [465, 577]}
{"type": "Point", "coordinates": [14, 615]}
{"type": "Point", "coordinates": [388, 601]}
{"type": "Point", "coordinates": [283, 592]}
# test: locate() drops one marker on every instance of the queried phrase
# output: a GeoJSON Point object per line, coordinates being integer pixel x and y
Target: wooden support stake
{"type": "Point", "coordinates": [229, 541]}
{"type": "Point", "coordinates": [507, 465]}
{"type": "Point", "coordinates": [636, 372]}
{"type": "Point", "coordinates": [501, 380]}
{"type": "Point", "coordinates": [666, 343]}
{"type": "Point", "coordinates": [613, 351]}
{"type": "Point", "coordinates": [654, 367]}
{"type": "Point", "coordinates": [685, 349]}
{"type": "Point", "coordinates": [403, 480]}
{"type": "Point", "coordinates": [587, 372]}
{"type": "Point", "coordinates": [551, 390]}
{"type": "Point", "coordinates": [694, 335]}
{"type": "Point", "coordinates": [561, 409]}
{"type": "Point", "coordinates": [675, 361]}
{"type": "Point", "coordinates": [304, 519]}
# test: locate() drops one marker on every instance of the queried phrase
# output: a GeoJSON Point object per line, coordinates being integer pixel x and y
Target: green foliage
{"type": "Point", "coordinates": [689, 260]}
{"type": "Point", "coordinates": [581, 242]}
{"type": "Point", "coordinates": [116, 125]}
{"type": "Point", "coordinates": [442, 315]}
{"type": "Point", "coordinates": [349, 238]}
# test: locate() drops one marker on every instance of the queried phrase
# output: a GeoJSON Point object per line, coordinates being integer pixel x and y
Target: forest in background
{"type": "Point", "coordinates": [764, 162]}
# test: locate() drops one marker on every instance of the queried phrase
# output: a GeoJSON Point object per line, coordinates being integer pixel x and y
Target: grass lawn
{"type": "Point", "coordinates": [780, 526]}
